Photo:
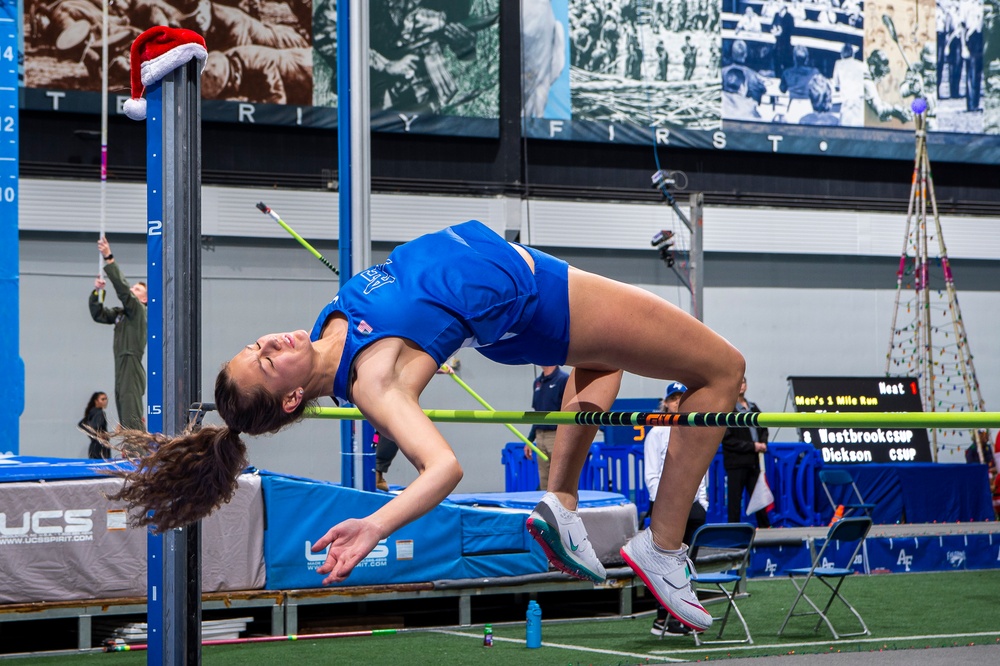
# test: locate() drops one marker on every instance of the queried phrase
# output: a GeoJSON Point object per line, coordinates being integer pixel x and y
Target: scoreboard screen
{"type": "Point", "coordinates": [862, 394]}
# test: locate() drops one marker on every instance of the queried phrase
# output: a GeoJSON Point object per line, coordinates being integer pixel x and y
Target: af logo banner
{"type": "Point", "coordinates": [774, 561]}
{"type": "Point", "coordinates": [951, 552]}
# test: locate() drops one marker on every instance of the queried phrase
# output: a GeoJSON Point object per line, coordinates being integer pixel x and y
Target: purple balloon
{"type": "Point", "coordinates": [919, 105]}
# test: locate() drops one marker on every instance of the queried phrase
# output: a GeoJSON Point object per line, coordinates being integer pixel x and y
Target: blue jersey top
{"type": "Point", "coordinates": [462, 286]}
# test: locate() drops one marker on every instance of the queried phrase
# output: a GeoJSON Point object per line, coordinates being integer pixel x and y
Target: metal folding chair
{"type": "Point", "coordinates": [825, 568]}
{"type": "Point", "coordinates": [843, 479]}
{"type": "Point", "coordinates": [728, 544]}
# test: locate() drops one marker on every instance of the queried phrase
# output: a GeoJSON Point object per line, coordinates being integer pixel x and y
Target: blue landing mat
{"type": "Point", "coordinates": [529, 498]}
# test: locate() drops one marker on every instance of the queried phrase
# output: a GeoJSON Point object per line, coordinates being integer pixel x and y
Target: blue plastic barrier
{"type": "Point", "coordinates": [594, 475]}
{"type": "Point", "coordinates": [620, 469]}
{"type": "Point", "coordinates": [791, 473]}
{"type": "Point", "coordinates": [717, 491]}
{"type": "Point", "coordinates": [519, 473]}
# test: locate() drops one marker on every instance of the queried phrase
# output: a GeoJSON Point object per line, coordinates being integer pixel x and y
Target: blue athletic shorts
{"type": "Point", "coordinates": [545, 339]}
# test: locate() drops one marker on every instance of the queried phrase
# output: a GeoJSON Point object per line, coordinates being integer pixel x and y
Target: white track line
{"type": "Point", "coordinates": [578, 648]}
{"type": "Point", "coordinates": [844, 641]}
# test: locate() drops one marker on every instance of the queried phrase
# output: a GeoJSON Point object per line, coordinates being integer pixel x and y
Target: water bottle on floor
{"type": "Point", "coordinates": [533, 628]}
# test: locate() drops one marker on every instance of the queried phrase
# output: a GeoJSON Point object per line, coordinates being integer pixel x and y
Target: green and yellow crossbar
{"type": "Point", "coordinates": [958, 420]}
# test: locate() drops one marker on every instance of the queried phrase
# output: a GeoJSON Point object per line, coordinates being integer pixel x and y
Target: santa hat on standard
{"type": "Point", "coordinates": [156, 53]}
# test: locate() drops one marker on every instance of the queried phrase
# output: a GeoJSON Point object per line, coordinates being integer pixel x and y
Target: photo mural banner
{"type": "Point", "coordinates": [835, 77]}
{"type": "Point", "coordinates": [434, 65]}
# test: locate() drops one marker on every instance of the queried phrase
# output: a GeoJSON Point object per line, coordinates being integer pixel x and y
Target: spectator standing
{"type": "Point", "coordinates": [740, 447]}
{"type": "Point", "coordinates": [662, 61]}
{"type": "Point", "coordinates": [849, 79]}
{"type": "Point", "coordinates": [981, 442]}
{"type": "Point", "coordinates": [97, 422]}
{"type": "Point", "coordinates": [690, 52]}
{"type": "Point", "coordinates": [971, 16]}
{"type": "Point", "coordinates": [129, 321]}
{"type": "Point", "coordinates": [385, 452]}
{"type": "Point", "coordinates": [782, 28]}
{"type": "Point", "coordinates": [547, 397]}
{"type": "Point", "coordinates": [654, 454]}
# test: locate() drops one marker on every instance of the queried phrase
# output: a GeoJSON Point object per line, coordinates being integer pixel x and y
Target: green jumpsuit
{"type": "Point", "coordinates": [129, 346]}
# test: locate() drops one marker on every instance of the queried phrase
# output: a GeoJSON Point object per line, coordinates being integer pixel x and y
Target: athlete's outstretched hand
{"type": "Point", "coordinates": [349, 542]}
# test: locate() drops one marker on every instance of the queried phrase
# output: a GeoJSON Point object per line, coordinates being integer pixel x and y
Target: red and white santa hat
{"type": "Point", "coordinates": [156, 53]}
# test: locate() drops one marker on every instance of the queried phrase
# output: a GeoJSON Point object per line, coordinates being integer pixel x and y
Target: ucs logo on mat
{"type": "Point", "coordinates": [55, 526]}
{"type": "Point", "coordinates": [379, 557]}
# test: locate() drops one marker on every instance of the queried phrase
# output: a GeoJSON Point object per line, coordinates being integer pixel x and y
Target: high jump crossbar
{"type": "Point", "coordinates": [960, 420]}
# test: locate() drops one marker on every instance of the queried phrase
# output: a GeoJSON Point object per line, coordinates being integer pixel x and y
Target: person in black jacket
{"type": "Point", "coordinates": [97, 422]}
{"type": "Point", "coordinates": [740, 449]}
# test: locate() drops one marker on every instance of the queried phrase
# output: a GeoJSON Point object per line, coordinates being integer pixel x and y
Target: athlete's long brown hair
{"type": "Point", "coordinates": [182, 479]}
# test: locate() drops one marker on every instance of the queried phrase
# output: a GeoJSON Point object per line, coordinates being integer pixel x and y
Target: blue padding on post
{"type": "Point", "coordinates": [12, 388]}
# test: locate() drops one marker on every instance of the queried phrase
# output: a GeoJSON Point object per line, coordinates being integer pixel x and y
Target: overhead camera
{"type": "Point", "coordinates": [662, 178]}
{"type": "Point", "coordinates": [662, 237]}
{"type": "Point", "coordinates": [664, 242]}
{"type": "Point", "coordinates": [666, 180]}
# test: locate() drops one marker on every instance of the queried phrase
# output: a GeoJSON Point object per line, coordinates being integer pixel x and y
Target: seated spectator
{"type": "Point", "coordinates": [749, 22]}
{"type": "Point", "coordinates": [735, 103]}
{"type": "Point", "coordinates": [795, 80]}
{"type": "Point", "coordinates": [755, 82]}
{"type": "Point", "coordinates": [821, 98]}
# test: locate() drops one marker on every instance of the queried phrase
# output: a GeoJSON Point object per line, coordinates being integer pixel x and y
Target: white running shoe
{"type": "Point", "coordinates": [563, 537]}
{"type": "Point", "coordinates": [668, 577]}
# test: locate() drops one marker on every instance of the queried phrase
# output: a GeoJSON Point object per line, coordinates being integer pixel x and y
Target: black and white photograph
{"type": "Point", "coordinates": [959, 65]}
{"type": "Point", "coordinates": [793, 63]}
{"type": "Point", "coordinates": [650, 63]}
{"type": "Point", "coordinates": [900, 55]}
{"type": "Point", "coordinates": [991, 67]}
{"type": "Point", "coordinates": [260, 49]}
{"type": "Point", "coordinates": [428, 57]}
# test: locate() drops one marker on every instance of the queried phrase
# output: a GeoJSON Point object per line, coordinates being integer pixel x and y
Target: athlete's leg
{"type": "Point", "coordinates": [614, 325]}
{"type": "Point", "coordinates": [620, 326]}
{"type": "Point", "coordinates": [587, 390]}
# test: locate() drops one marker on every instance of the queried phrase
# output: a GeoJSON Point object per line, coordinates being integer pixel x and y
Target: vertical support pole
{"type": "Point", "coordinates": [12, 387]}
{"type": "Point", "coordinates": [345, 179]}
{"type": "Point", "coordinates": [354, 176]}
{"type": "Point", "coordinates": [182, 341]}
{"type": "Point", "coordinates": [174, 366]}
{"type": "Point", "coordinates": [512, 125]}
{"type": "Point", "coordinates": [360, 141]}
{"type": "Point", "coordinates": [697, 259]}
{"type": "Point", "coordinates": [154, 352]}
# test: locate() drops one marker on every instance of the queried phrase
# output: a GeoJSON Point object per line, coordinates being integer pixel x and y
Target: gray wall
{"type": "Point", "coordinates": [789, 314]}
